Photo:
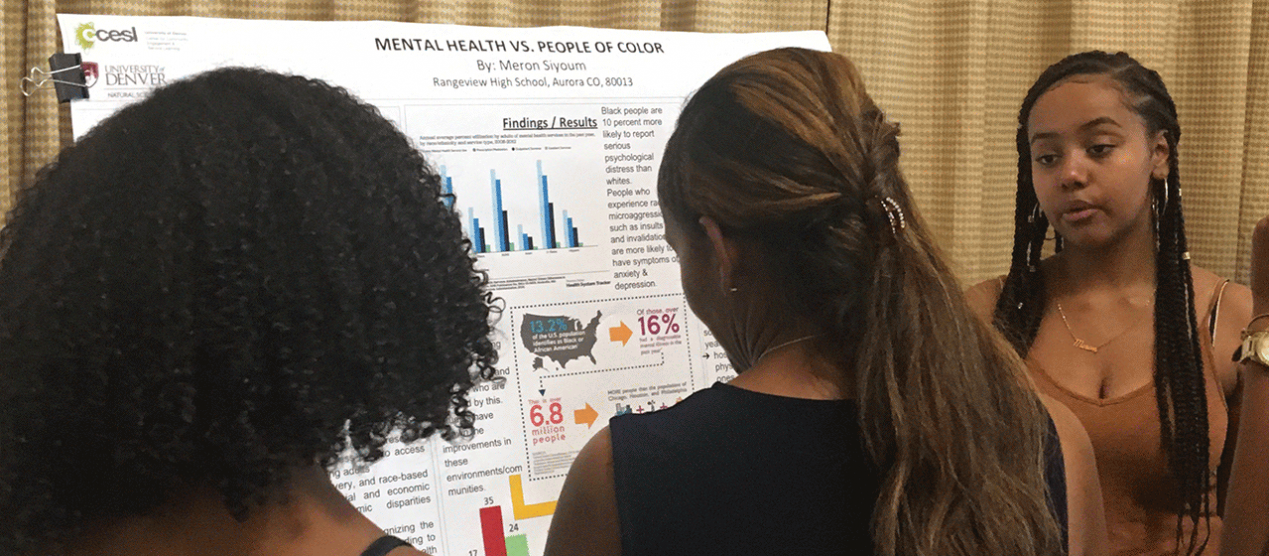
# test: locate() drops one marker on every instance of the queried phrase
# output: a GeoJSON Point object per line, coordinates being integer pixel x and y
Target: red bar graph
{"type": "Point", "coordinates": [491, 531]}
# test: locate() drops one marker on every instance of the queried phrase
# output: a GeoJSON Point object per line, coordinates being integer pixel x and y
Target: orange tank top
{"type": "Point", "coordinates": [1140, 497]}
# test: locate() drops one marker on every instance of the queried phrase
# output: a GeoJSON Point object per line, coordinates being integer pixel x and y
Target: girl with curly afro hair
{"type": "Point", "coordinates": [206, 300]}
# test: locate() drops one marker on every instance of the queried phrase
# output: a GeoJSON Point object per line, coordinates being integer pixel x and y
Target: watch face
{"type": "Point", "coordinates": [1262, 348]}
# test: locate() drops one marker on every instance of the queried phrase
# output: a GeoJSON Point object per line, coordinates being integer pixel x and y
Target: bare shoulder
{"type": "Point", "coordinates": [1086, 517]}
{"type": "Point", "coordinates": [1069, 429]}
{"type": "Point", "coordinates": [982, 297]}
{"type": "Point", "coordinates": [585, 521]}
{"type": "Point", "coordinates": [1232, 315]}
{"type": "Point", "coordinates": [1077, 449]}
{"type": "Point", "coordinates": [1235, 299]}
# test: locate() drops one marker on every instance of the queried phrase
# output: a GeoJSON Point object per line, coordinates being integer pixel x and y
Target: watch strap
{"type": "Point", "coordinates": [1242, 355]}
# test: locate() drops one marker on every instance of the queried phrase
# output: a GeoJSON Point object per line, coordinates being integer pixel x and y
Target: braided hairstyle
{"type": "Point", "coordinates": [787, 152]}
{"type": "Point", "coordinates": [241, 275]}
{"type": "Point", "coordinates": [1178, 376]}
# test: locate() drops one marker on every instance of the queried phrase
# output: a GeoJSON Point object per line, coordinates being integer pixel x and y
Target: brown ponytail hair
{"type": "Point", "coordinates": [786, 150]}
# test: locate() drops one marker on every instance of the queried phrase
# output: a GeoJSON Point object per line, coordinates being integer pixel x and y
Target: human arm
{"type": "Point", "coordinates": [1232, 314]}
{"type": "Point", "coordinates": [1086, 517]}
{"type": "Point", "coordinates": [1246, 527]}
{"type": "Point", "coordinates": [1086, 521]}
{"type": "Point", "coordinates": [585, 521]}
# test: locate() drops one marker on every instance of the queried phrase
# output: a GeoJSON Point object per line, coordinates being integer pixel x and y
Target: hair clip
{"type": "Point", "coordinates": [895, 213]}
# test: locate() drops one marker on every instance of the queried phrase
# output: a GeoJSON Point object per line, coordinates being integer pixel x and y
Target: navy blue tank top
{"type": "Point", "coordinates": [731, 471]}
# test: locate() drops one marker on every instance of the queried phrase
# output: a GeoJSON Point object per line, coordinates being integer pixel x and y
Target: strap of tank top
{"type": "Point", "coordinates": [383, 545]}
{"type": "Point", "coordinates": [1213, 312]}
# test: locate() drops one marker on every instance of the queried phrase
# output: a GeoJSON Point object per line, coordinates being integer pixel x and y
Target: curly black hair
{"type": "Point", "coordinates": [1180, 391]}
{"type": "Point", "coordinates": [243, 274]}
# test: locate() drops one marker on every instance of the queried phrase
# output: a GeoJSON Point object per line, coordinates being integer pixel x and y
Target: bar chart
{"type": "Point", "coordinates": [494, 235]}
{"type": "Point", "coordinates": [491, 531]}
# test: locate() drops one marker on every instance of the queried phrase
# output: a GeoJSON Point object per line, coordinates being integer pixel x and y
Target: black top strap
{"type": "Point", "coordinates": [383, 545]}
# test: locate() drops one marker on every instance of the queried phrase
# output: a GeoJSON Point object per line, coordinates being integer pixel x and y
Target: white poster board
{"type": "Point", "coordinates": [550, 139]}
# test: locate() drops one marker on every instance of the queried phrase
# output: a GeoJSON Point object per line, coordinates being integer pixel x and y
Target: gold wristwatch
{"type": "Point", "coordinates": [1255, 348]}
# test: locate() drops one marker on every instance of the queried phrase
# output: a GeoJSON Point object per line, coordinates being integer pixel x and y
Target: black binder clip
{"type": "Point", "coordinates": [66, 73]}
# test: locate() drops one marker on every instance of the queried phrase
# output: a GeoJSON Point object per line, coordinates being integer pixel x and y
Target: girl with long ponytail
{"type": "Point", "coordinates": [872, 413]}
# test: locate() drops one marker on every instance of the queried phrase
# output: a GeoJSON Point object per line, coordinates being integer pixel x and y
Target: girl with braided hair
{"type": "Point", "coordinates": [873, 413]}
{"type": "Point", "coordinates": [1117, 324]}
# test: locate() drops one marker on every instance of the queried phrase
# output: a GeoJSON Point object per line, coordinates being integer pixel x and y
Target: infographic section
{"type": "Point", "coordinates": [543, 186]}
{"type": "Point", "coordinates": [548, 141]}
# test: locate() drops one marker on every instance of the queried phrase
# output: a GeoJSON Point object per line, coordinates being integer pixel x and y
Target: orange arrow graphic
{"type": "Point", "coordinates": [585, 415]}
{"type": "Point", "coordinates": [620, 333]}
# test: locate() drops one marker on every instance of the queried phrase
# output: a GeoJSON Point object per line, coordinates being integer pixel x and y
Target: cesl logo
{"type": "Point", "coordinates": [88, 35]}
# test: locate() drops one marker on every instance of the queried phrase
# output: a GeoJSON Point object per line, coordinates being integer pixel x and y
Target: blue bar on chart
{"type": "Point", "coordinates": [547, 207]}
{"type": "Point", "coordinates": [476, 234]}
{"type": "Point", "coordinates": [526, 241]}
{"type": "Point", "coordinates": [570, 231]}
{"type": "Point", "coordinates": [447, 187]}
{"type": "Point", "coordinates": [504, 239]}
{"type": "Point", "coordinates": [500, 216]}
{"type": "Point", "coordinates": [548, 216]}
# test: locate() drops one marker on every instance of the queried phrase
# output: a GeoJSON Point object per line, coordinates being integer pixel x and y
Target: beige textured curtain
{"type": "Point", "coordinates": [953, 72]}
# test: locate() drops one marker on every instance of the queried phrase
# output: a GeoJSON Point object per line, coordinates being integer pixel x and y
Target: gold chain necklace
{"type": "Point", "coordinates": [1079, 343]}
